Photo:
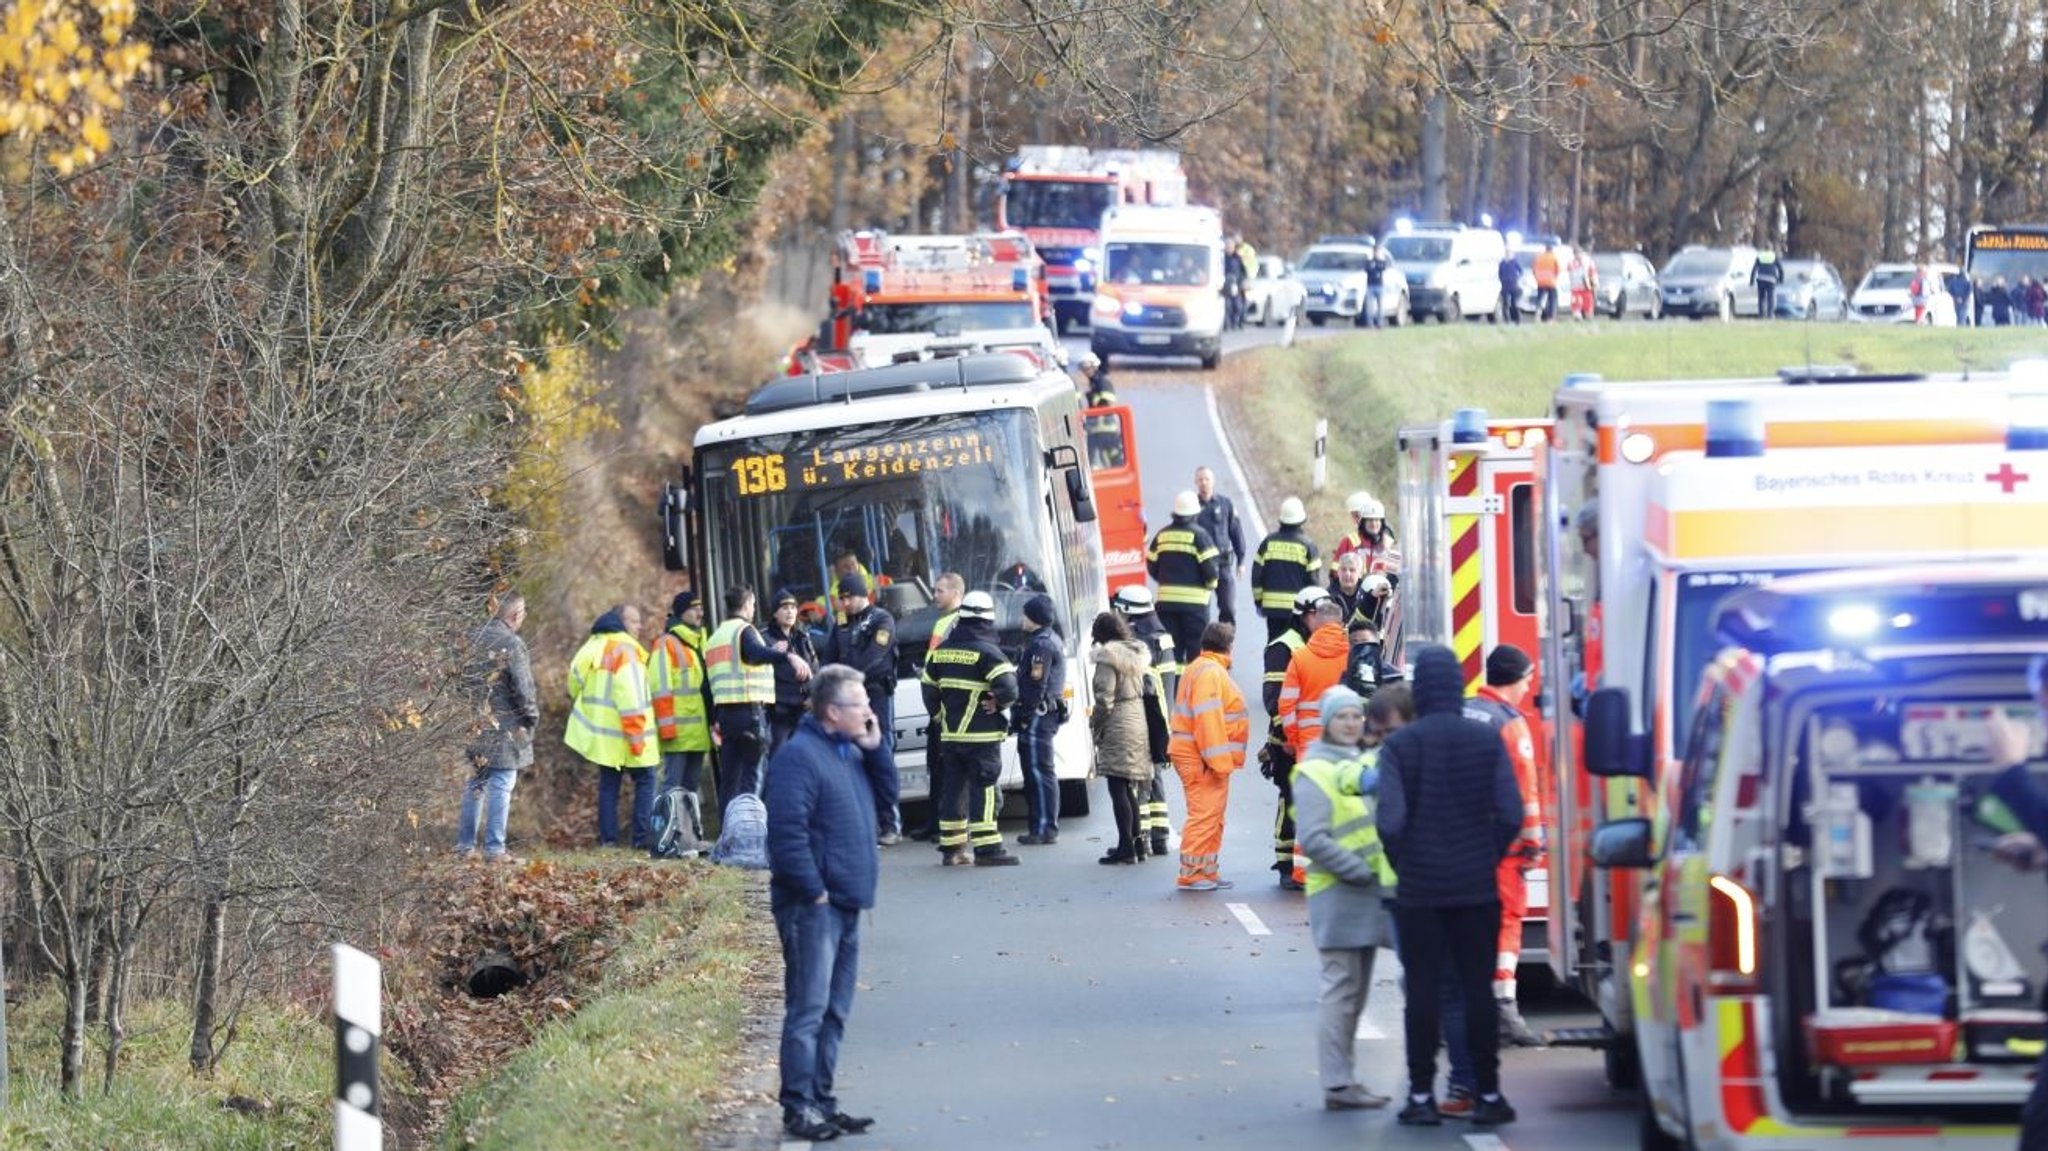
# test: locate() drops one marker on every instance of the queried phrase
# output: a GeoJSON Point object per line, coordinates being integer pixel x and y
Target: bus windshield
{"type": "Point", "coordinates": [1057, 203]}
{"type": "Point", "coordinates": [2010, 252]}
{"type": "Point", "coordinates": [948, 318]}
{"type": "Point", "coordinates": [910, 499]}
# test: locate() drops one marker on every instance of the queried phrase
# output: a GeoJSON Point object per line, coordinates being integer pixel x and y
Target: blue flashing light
{"type": "Point", "coordinates": [1404, 225]}
{"type": "Point", "coordinates": [1582, 379]}
{"type": "Point", "coordinates": [1468, 426]}
{"type": "Point", "coordinates": [2027, 429]}
{"type": "Point", "coordinates": [1486, 219]}
{"type": "Point", "coordinates": [1734, 428]}
{"type": "Point", "coordinates": [1020, 279]}
{"type": "Point", "coordinates": [871, 280]}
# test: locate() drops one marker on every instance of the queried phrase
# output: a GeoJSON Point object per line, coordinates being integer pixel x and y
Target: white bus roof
{"type": "Point", "coordinates": [974, 383]}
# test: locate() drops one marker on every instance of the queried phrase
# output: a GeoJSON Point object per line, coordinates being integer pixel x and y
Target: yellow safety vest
{"type": "Point", "coordinates": [942, 629]}
{"type": "Point", "coordinates": [1354, 821]}
{"type": "Point", "coordinates": [611, 711]}
{"type": "Point", "coordinates": [733, 680]}
{"type": "Point", "coordinates": [675, 676]}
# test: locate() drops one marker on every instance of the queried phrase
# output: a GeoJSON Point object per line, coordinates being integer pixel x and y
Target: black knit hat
{"type": "Point", "coordinates": [684, 601]}
{"type": "Point", "coordinates": [1507, 665]}
{"type": "Point", "coordinates": [1038, 609]}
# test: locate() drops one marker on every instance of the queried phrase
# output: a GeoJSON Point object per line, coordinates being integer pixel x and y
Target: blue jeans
{"type": "Point", "coordinates": [820, 961]}
{"type": "Point", "coordinates": [1375, 308]}
{"type": "Point", "coordinates": [608, 783]}
{"type": "Point", "coordinates": [1041, 781]}
{"type": "Point", "coordinates": [1457, 1046]}
{"type": "Point", "coordinates": [491, 790]}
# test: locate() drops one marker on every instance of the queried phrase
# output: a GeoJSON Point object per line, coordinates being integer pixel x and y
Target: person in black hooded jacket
{"type": "Point", "coordinates": [1445, 848]}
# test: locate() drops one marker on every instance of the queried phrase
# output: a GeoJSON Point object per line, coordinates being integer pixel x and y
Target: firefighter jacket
{"type": "Point", "coordinates": [797, 640]}
{"type": "Point", "coordinates": [1361, 608]}
{"type": "Point", "coordinates": [741, 667]}
{"type": "Point", "coordinates": [866, 642]}
{"type": "Point", "coordinates": [966, 672]}
{"type": "Point", "coordinates": [1315, 669]}
{"type": "Point", "coordinates": [1349, 876]}
{"type": "Point", "coordinates": [1042, 677]}
{"type": "Point", "coordinates": [1209, 721]}
{"type": "Point", "coordinates": [611, 718]}
{"type": "Point", "coordinates": [1286, 563]}
{"type": "Point", "coordinates": [1489, 708]}
{"type": "Point", "coordinates": [1182, 561]}
{"type": "Point", "coordinates": [676, 680]}
{"type": "Point", "coordinates": [1279, 653]}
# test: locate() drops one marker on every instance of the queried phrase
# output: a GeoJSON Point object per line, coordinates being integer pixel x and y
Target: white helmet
{"type": "Point", "coordinates": [977, 605]}
{"type": "Point", "coordinates": [1187, 504]}
{"type": "Point", "coordinates": [1378, 584]}
{"type": "Point", "coordinates": [1370, 509]}
{"type": "Point", "coordinates": [1292, 514]}
{"type": "Point", "coordinates": [1090, 360]}
{"type": "Point", "coordinates": [1307, 598]}
{"type": "Point", "coordinates": [1132, 599]}
{"type": "Point", "coordinates": [1357, 500]}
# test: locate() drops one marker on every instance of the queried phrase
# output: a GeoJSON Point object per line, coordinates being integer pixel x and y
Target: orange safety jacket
{"type": "Point", "coordinates": [1209, 724]}
{"type": "Point", "coordinates": [1514, 732]}
{"type": "Point", "coordinates": [1317, 667]}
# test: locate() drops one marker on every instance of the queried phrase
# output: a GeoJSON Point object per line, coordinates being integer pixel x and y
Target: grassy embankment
{"type": "Point", "coordinates": [1368, 384]}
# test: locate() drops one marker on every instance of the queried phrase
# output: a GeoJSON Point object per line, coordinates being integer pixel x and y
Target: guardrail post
{"type": "Point", "coordinates": [358, 1021]}
{"type": "Point", "coordinates": [1319, 470]}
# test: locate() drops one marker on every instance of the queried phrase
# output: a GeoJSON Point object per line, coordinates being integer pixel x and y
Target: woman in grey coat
{"type": "Point", "coordinates": [499, 676]}
{"type": "Point", "coordinates": [1123, 750]}
{"type": "Point", "coordinates": [1347, 874]}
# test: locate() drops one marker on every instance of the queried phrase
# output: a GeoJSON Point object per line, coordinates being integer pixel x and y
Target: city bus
{"type": "Point", "coordinates": [972, 464]}
{"type": "Point", "coordinates": [2008, 250]}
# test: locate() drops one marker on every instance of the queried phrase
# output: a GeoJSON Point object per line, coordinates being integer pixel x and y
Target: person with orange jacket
{"type": "Point", "coordinates": [1545, 268]}
{"type": "Point", "coordinates": [1209, 729]}
{"type": "Point", "coordinates": [1318, 665]}
{"type": "Point", "coordinates": [1510, 674]}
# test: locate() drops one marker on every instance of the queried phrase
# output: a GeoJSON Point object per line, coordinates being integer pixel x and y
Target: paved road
{"type": "Point", "coordinates": [1066, 1004]}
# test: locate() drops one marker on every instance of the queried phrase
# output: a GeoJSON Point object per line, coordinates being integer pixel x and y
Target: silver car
{"type": "Point", "coordinates": [1627, 285]}
{"type": "Point", "coordinates": [1812, 290]}
{"type": "Point", "coordinates": [1273, 293]}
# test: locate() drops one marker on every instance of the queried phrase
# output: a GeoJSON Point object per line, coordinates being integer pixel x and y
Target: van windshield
{"type": "Point", "coordinates": [1137, 262]}
{"type": "Point", "coordinates": [1694, 645]}
{"type": "Point", "coordinates": [1418, 249]}
{"type": "Point", "coordinates": [1889, 278]}
{"type": "Point", "coordinates": [1697, 264]}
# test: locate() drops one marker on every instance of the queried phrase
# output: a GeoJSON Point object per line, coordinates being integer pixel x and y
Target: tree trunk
{"type": "Point", "coordinates": [206, 993]}
{"type": "Point", "coordinates": [1517, 215]}
{"type": "Point", "coordinates": [71, 1060]}
{"type": "Point", "coordinates": [116, 1017]}
{"type": "Point", "coordinates": [1435, 128]}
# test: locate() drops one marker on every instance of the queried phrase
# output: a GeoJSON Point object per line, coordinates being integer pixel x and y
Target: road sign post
{"type": "Point", "coordinates": [358, 1021]}
{"type": "Point", "coordinates": [1319, 470]}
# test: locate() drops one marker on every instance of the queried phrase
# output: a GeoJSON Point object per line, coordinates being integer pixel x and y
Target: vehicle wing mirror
{"type": "Point", "coordinates": [1078, 494]}
{"type": "Point", "coordinates": [675, 554]}
{"type": "Point", "coordinates": [1623, 843]}
{"type": "Point", "coordinates": [1612, 750]}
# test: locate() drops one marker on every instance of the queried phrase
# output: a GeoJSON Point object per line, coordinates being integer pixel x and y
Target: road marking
{"type": "Point", "coordinates": [1244, 487]}
{"type": "Point", "coordinates": [1245, 915]}
{"type": "Point", "coordinates": [1485, 1143]}
{"type": "Point", "coordinates": [1367, 1031]}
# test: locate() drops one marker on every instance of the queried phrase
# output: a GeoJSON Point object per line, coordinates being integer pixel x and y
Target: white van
{"type": "Point", "coordinates": [1452, 270]}
{"type": "Point", "coordinates": [1161, 288]}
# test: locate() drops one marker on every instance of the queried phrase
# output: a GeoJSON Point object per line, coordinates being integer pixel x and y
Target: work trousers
{"type": "Point", "coordinates": [968, 804]}
{"type": "Point", "coordinates": [1184, 622]}
{"type": "Point", "coordinates": [1766, 299]}
{"type": "Point", "coordinates": [1226, 604]}
{"type": "Point", "coordinates": [743, 737]}
{"type": "Point", "coordinates": [889, 818]}
{"type": "Point", "coordinates": [820, 962]}
{"type": "Point", "coordinates": [1201, 835]}
{"type": "Point", "coordinates": [1041, 782]}
{"type": "Point", "coordinates": [1347, 979]}
{"type": "Point", "coordinates": [1283, 816]}
{"type": "Point", "coordinates": [1513, 885]}
{"type": "Point", "coordinates": [1456, 943]}
{"type": "Point", "coordinates": [782, 721]}
{"type": "Point", "coordinates": [1152, 815]}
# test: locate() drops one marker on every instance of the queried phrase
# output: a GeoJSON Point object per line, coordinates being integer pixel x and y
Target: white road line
{"type": "Point", "coordinates": [1249, 504]}
{"type": "Point", "coordinates": [1367, 1031]}
{"type": "Point", "coordinates": [1485, 1143]}
{"type": "Point", "coordinates": [1245, 915]}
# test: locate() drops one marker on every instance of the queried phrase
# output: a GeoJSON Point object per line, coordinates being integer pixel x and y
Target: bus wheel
{"type": "Point", "coordinates": [1073, 797]}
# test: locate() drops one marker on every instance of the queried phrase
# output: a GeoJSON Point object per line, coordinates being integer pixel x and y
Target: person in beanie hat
{"type": "Point", "coordinates": [682, 708]}
{"type": "Point", "coordinates": [786, 631]}
{"type": "Point", "coordinates": [1510, 677]}
{"type": "Point", "coordinates": [866, 642]}
{"type": "Point", "coordinates": [1040, 709]}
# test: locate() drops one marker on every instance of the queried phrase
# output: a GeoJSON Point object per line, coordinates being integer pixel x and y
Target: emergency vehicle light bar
{"type": "Point", "coordinates": [1839, 610]}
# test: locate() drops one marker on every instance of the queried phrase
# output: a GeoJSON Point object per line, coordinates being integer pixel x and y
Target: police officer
{"type": "Point", "coordinates": [1162, 685]}
{"type": "Point", "coordinates": [1219, 519]}
{"type": "Point", "coordinates": [1041, 709]}
{"type": "Point", "coordinates": [1767, 273]}
{"type": "Point", "coordinates": [866, 642]}
{"type": "Point", "coordinates": [740, 665]}
{"type": "Point", "coordinates": [969, 688]}
{"type": "Point", "coordinates": [1182, 561]}
{"type": "Point", "coordinates": [1276, 761]}
{"type": "Point", "coordinates": [1287, 561]}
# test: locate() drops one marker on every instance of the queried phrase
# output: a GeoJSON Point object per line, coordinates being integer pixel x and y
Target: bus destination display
{"type": "Point", "coordinates": [2010, 241]}
{"type": "Point", "coordinates": [769, 473]}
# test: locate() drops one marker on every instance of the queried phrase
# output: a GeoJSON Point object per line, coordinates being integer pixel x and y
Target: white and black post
{"type": "Point", "coordinates": [358, 1021]}
{"type": "Point", "coordinates": [1319, 470]}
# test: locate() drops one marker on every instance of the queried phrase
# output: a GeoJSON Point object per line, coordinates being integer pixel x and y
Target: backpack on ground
{"type": "Point", "coordinates": [676, 827]}
{"type": "Point", "coordinates": [743, 836]}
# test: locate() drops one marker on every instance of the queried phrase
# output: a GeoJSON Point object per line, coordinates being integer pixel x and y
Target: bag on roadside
{"type": "Point", "coordinates": [743, 835]}
{"type": "Point", "coordinates": [675, 825]}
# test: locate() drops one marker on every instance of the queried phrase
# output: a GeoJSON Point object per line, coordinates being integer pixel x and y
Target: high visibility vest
{"type": "Point", "coordinates": [942, 629]}
{"type": "Point", "coordinates": [1354, 821]}
{"type": "Point", "coordinates": [1209, 724]}
{"type": "Point", "coordinates": [611, 718]}
{"type": "Point", "coordinates": [1286, 562]}
{"type": "Point", "coordinates": [733, 680]}
{"type": "Point", "coordinates": [1178, 556]}
{"type": "Point", "coordinates": [675, 678]}
{"type": "Point", "coordinates": [1280, 651]}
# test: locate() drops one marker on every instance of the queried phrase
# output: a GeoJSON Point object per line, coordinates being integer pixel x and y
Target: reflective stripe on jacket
{"type": "Point", "coordinates": [1286, 563]}
{"type": "Point", "coordinates": [1209, 723]}
{"type": "Point", "coordinates": [675, 680]}
{"type": "Point", "coordinates": [1182, 561]}
{"type": "Point", "coordinates": [965, 670]}
{"type": "Point", "coordinates": [1319, 665]}
{"type": "Point", "coordinates": [733, 680]}
{"type": "Point", "coordinates": [1489, 708]}
{"type": "Point", "coordinates": [611, 718]}
{"type": "Point", "coordinates": [1353, 818]}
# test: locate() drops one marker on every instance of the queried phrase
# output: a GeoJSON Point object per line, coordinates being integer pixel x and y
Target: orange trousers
{"type": "Point", "coordinates": [1201, 832]}
{"type": "Point", "coordinates": [1514, 906]}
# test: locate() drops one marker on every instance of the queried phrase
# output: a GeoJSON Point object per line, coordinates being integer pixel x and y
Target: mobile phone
{"type": "Point", "coordinates": [871, 723]}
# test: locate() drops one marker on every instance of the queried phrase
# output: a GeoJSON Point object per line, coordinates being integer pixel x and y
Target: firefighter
{"type": "Point", "coordinates": [1183, 562]}
{"type": "Point", "coordinates": [1276, 759]}
{"type": "Point", "coordinates": [1209, 731]}
{"type": "Point", "coordinates": [866, 642]}
{"type": "Point", "coordinates": [947, 591]}
{"type": "Point", "coordinates": [969, 688]}
{"type": "Point", "coordinates": [1318, 665]}
{"type": "Point", "coordinates": [1286, 562]}
{"type": "Point", "coordinates": [1135, 605]}
{"type": "Point", "coordinates": [740, 665]}
{"type": "Point", "coordinates": [1510, 674]}
{"type": "Point", "coordinates": [1373, 537]}
{"type": "Point", "coordinates": [1100, 393]}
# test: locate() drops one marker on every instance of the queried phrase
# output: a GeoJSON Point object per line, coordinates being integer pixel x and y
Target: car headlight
{"type": "Point", "coordinates": [1084, 265]}
{"type": "Point", "coordinates": [1134, 308]}
{"type": "Point", "coordinates": [1108, 307]}
{"type": "Point", "coordinates": [1092, 255]}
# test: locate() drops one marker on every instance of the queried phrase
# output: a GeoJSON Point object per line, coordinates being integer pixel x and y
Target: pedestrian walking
{"type": "Point", "coordinates": [2023, 794]}
{"type": "Point", "coordinates": [1118, 728]}
{"type": "Point", "coordinates": [680, 690]}
{"type": "Point", "coordinates": [1218, 517]}
{"type": "Point", "coordinates": [1767, 273]}
{"type": "Point", "coordinates": [866, 642]}
{"type": "Point", "coordinates": [1546, 268]}
{"type": "Point", "coordinates": [1348, 879]}
{"type": "Point", "coordinates": [1209, 728]}
{"type": "Point", "coordinates": [1449, 810]}
{"type": "Point", "coordinates": [1185, 563]}
{"type": "Point", "coordinates": [1510, 273]}
{"type": "Point", "coordinates": [499, 677]}
{"type": "Point", "coordinates": [1276, 758]}
{"type": "Point", "coordinates": [787, 632]}
{"type": "Point", "coordinates": [741, 667]}
{"type": "Point", "coordinates": [823, 872]}
{"type": "Point", "coordinates": [1286, 562]}
{"type": "Point", "coordinates": [611, 721]}
{"type": "Point", "coordinates": [1376, 267]}
{"type": "Point", "coordinates": [1041, 709]}
{"type": "Point", "coordinates": [1510, 677]}
{"type": "Point", "coordinates": [1134, 603]}
{"type": "Point", "coordinates": [969, 687]}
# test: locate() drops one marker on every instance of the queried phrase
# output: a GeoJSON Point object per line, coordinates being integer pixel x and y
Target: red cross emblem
{"type": "Point", "coordinates": [2006, 478]}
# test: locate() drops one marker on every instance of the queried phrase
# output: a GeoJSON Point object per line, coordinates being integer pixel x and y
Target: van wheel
{"type": "Point", "coordinates": [1452, 309]}
{"type": "Point", "coordinates": [1621, 305]}
{"type": "Point", "coordinates": [1074, 797]}
{"type": "Point", "coordinates": [1210, 361]}
{"type": "Point", "coordinates": [1316, 319]}
{"type": "Point", "coordinates": [1623, 1066]}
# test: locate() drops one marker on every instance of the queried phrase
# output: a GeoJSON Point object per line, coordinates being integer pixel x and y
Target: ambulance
{"type": "Point", "coordinates": [1161, 291]}
{"type": "Point", "coordinates": [1057, 193]}
{"type": "Point", "coordinates": [1471, 518]}
{"type": "Point", "coordinates": [1647, 528]}
{"type": "Point", "coordinates": [1831, 952]}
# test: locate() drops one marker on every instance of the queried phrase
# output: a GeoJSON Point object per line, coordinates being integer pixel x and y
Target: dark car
{"type": "Point", "coordinates": [1812, 290]}
{"type": "Point", "coordinates": [1627, 285]}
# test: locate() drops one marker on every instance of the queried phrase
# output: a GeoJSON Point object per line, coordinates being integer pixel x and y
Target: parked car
{"type": "Point", "coordinates": [1333, 272]}
{"type": "Point", "coordinates": [1628, 284]}
{"type": "Point", "coordinates": [1273, 293]}
{"type": "Point", "coordinates": [1886, 296]}
{"type": "Point", "coordinates": [1812, 290]}
{"type": "Point", "coordinates": [1699, 281]}
{"type": "Point", "coordinates": [1451, 270]}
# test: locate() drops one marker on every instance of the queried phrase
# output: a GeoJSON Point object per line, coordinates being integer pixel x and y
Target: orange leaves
{"type": "Point", "coordinates": [63, 65]}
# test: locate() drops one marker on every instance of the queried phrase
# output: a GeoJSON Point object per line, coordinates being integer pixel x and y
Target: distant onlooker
{"type": "Point", "coordinates": [1766, 274]}
{"type": "Point", "coordinates": [1511, 288]}
{"type": "Point", "coordinates": [1958, 286]}
{"type": "Point", "coordinates": [1546, 268]}
{"type": "Point", "coordinates": [1999, 298]}
{"type": "Point", "coordinates": [500, 675]}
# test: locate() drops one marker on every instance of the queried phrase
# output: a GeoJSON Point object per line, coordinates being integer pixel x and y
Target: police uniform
{"type": "Point", "coordinates": [960, 676]}
{"type": "Point", "coordinates": [739, 666]}
{"type": "Point", "coordinates": [1182, 561]}
{"type": "Point", "coordinates": [1219, 519]}
{"type": "Point", "coordinates": [1041, 708]}
{"type": "Point", "coordinates": [866, 642]}
{"type": "Point", "coordinates": [1287, 561]}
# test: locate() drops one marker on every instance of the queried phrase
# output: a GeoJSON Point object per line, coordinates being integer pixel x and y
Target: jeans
{"type": "Point", "coordinates": [890, 816]}
{"type": "Point", "coordinates": [608, 782]}
{"type": "Point", "coordinates": [492, 790]}
{"type": "Point", "coordinates": [1455, 943]}
{"type": "Point", "coordinates": [820, 961]}
{"type": "Point", "coordinates": [1041, 783]}
{"type": "Point", "coordinates": [743, 735]}
{"type": "Point", "coordinates": [684, 769]}
{"type": "Point", "coordinates": [1375, 308]}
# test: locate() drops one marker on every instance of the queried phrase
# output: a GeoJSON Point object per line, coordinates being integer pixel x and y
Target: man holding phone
{"type": "Point", "coordinates": [2011, 745]}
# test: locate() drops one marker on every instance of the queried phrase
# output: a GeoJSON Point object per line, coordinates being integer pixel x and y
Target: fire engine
{"type": "Point", "coordinates": [1831, 951]}
{"type": "Point", "coordinates": [899, 297]}
{"type": "Point", "coordinates": [1646, 526]}
{"type": "Point", "coordinates": [1056, 195]}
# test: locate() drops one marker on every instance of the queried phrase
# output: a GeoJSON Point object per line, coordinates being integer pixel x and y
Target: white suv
{"type": "Point", "coordinates": [1333, 271]}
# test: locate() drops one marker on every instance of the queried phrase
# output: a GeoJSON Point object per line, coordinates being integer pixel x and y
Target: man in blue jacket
{"type": "Point", "coordinates": [2023, 795]}
{"type": "Point", "coordinates": [1449, 811]}
{"type": "Point", "coordinates": [823, 865]}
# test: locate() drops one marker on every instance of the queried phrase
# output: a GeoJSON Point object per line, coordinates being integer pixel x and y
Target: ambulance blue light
{"type": "Point", "coordinates": [2027, 429]}
{"type": "Point", "coordinates": [1582, 379]}
{"type": "Point", "coordinates": [1468, 426]}
{"type": "Point", "coordinates": [871, 280]}
{"type": "Point", "coordinates": [1734, 428]}
{"type": "Point", "coordinates": [1853, 621]}
{"type": "Point", "coordinates": [1404, 225]}
{"type": "Point", "coordinates": [1020, 279]}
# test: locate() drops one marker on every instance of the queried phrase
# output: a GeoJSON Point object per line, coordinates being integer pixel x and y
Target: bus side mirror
{"type": "Point", "coordinates": [1612, 750]}
{"type": "Point", "coordinates": [1622, 843]}
{"type": "Point", "coordinates": [675, 555]}
{"type": "Point", "coordinates": [1077, 493]}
